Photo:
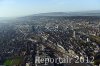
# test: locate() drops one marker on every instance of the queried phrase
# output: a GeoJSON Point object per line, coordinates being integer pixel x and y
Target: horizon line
{"type": "Point", "coordinates": [48, 12]}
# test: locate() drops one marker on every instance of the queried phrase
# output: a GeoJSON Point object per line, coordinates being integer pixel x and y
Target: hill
{"type": "Point", "coordinates": [86, 13]}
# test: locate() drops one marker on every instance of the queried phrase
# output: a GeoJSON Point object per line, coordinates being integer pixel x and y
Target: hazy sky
{"type": "Point", "coordinates": [15, 8]}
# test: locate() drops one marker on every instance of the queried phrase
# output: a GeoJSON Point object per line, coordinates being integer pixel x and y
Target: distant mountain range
{"type": "Point", "coordinates": [86, 13]}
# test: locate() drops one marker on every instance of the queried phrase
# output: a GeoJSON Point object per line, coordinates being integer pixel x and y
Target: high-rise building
{"type": "Point", "coordinates": [74, 34]}
{"type": "Point", "coordinates": [88, 40]}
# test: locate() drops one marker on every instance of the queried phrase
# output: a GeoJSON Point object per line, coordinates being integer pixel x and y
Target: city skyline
{"type": "Point", "coordinates": [17, 8]}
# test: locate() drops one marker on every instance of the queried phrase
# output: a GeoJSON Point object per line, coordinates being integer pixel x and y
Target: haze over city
{"type": "Point", "coordinates": [49, 32]}
{"type": "Point", "coordinates": [16, 8]}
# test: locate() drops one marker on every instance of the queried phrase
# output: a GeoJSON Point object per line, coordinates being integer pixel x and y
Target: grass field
{"type": "Point", "coordinates": [13, 61]}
